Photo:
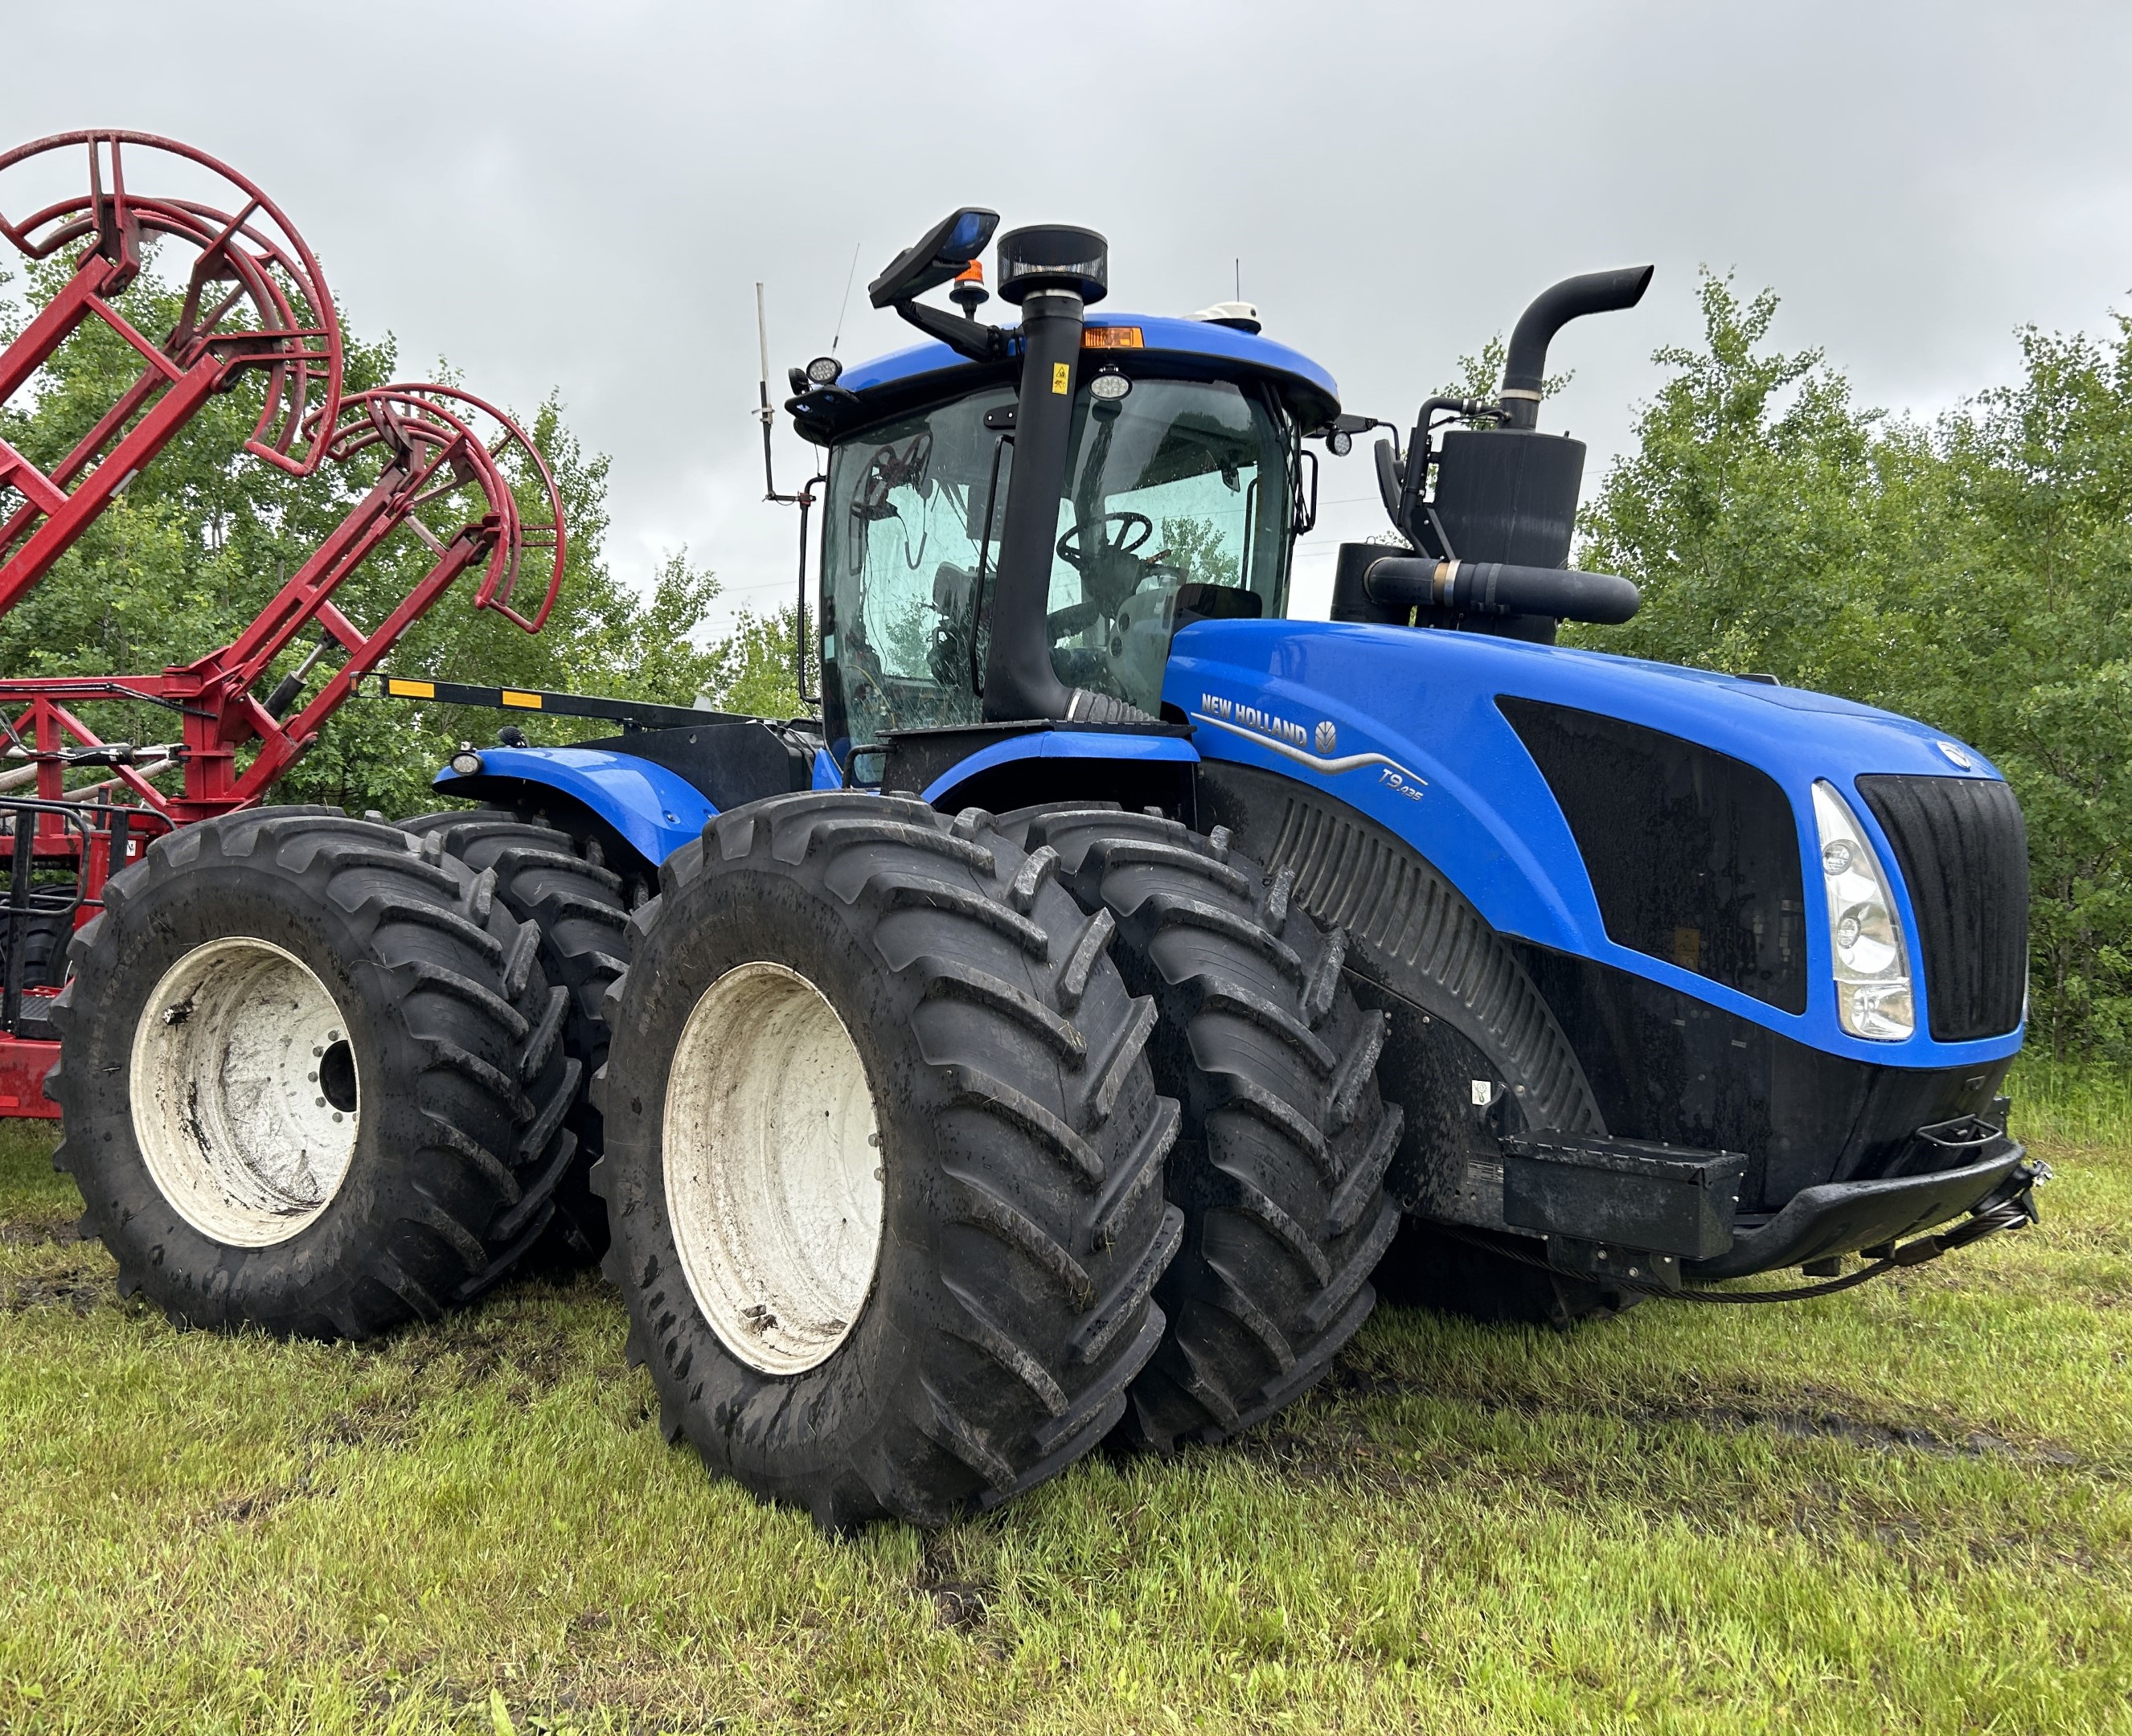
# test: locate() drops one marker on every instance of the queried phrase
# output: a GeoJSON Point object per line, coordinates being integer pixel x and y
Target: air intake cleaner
{"type": "Point", "coordinates": [1053, 256]}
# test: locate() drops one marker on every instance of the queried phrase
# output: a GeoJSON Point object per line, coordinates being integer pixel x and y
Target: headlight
{"type": "Point", "coordinates": [1871, 959]}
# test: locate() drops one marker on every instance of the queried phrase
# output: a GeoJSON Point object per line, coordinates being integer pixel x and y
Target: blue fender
{"type": "Point", "coordinates": [1402, 725]}
{"type": "Point", "coordinates": [656, 811]}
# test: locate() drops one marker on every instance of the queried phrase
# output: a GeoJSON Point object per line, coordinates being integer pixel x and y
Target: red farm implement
{"type": "Point", "coordinates": [452, 471]}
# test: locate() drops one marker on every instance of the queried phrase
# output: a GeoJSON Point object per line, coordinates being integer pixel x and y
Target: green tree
{"type": "Point", "coordinates": [1481, 375]}
{"type": "Point", "coordinates": [753, 672]}
{"type": "Point", "coordinates": [1199, 548]}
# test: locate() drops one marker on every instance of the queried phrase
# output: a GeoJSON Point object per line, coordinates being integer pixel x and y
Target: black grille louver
{"type": "Point", "coordinates": [1963, 854]}
{"type": "Point", "coordinates": [1693, 855]}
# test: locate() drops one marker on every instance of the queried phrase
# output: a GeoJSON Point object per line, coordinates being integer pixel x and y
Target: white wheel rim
{"type": "Point", "coordinates": [242, 1135]}
{"type": "Point", "coordinates": [773, 1168]}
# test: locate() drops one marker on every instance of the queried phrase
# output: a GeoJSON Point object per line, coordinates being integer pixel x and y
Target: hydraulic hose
{"type": "Point", "coordinates": [1492, 588]}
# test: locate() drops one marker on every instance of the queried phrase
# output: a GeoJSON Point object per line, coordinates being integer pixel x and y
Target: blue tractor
{"type": "Point", "coordinates": [1067, 1032]}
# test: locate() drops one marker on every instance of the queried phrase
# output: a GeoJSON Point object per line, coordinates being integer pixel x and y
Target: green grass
{"type": "Point", "coordinates": [1904, 1508]}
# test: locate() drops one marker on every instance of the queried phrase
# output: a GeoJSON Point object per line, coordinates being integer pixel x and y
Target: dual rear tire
{"type": "Point", "coordinates": [560, 888]}
{"type": "Point", "coordinates": [916, 1196]}
{"type": "Point", "coordinates": [1280, 1166]}
{"type": "Point", "coordinates": [312, 1077]}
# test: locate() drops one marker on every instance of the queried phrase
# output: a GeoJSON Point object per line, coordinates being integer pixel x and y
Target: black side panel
{"type": "Point", "coordinates": [916, 757]}
{"type": "Point", "coordinates": [1134, 785]}
{"type": "Point", "coordinates": [731, 763]}
{"type": "Point", "coordinates": [1962, 851]}
{"type": "Point", "coordinates": [1693, 855]}
{"type": "Point", "coordinates": [1667, 1066]}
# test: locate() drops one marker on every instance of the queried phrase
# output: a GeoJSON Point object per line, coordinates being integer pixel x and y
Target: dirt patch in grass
{"type": "Point", "coordinates": [75, 1287]}
{"type": "Point", "coordinates": [1826, 1425]}
{"type": "Point", "coordinates": [33, 1234]}
{"type": "Point", "coordinates": [256, 1507]}
{"type": "Point", "coordinates": [370, 1421]}
{"type": "Point", "coordinates": [1812, 1413]}
{"type": "Point", "coordinates": [959, 1598]}
{"type": "Point", "coordinates": [528, 1355]}
{"type": "Point", "coordinates": [1332, 1439]}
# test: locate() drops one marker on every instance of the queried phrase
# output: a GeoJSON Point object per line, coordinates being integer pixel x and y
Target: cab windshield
{"type": "Point", "coordinates": [1177, 482]}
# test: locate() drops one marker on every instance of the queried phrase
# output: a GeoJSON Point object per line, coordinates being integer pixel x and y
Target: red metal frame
{"type": "Point", "coordinates": [429, 439]}
{"type": "Point", "coordinates": [24, 1063]}
{"type": "Point", "coordinates": [255, 298]}
{"type": "Point", "coordinates": [82, 840]}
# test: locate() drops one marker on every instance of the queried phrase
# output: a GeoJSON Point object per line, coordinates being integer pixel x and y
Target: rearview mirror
{"type": "Point", "coordinates": [938, 257]}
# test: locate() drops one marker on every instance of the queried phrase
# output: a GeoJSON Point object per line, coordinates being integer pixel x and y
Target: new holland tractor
{"type": "Point", "coordinates": [1058, 1036]}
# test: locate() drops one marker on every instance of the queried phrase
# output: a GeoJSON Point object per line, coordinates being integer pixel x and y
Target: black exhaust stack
{"type": "Point", "coordinates": [1524, 372]}
{"type": "Point", "coordinates": [1491, 544]}
{"type": "Point", "coordinates": [1053, 273]}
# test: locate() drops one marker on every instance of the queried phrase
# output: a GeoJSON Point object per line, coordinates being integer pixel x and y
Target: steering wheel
{"type": "Point", "coordinates": [1126, 543]}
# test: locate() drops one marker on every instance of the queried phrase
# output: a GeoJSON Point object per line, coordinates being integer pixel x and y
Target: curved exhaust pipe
{"type": "Point", "coordinates": [1524, 372]}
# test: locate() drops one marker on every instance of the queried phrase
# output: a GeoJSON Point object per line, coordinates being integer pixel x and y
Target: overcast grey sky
{"type": "Point", "coordinates": [580, 198]}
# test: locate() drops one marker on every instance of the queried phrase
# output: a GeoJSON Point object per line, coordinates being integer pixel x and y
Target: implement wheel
{"type": "Point", "coordinates": [883, 1162]}
{"type": "Point", "coordinates": [1280, 1164]}
{"type": "Point", "coordinates": [312, 1077]}
{"type": "Point", "coordinates": [545, 878]}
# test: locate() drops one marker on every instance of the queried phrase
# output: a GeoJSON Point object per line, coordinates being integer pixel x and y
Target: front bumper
{"type": "Point", "coordinates": [1665, 1216]}
{"type": "Point", "coordinates": [1848, 1217]}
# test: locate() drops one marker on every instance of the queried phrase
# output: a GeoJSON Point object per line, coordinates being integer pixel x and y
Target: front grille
{"type": "Point", "coordinates": [1962, 851]}
{"type": "Point", "coordinates": [1693, 855]}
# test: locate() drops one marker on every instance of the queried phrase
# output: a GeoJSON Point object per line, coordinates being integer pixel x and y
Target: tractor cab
{"type": "Point", "coordinates": [1167, 483]}
{"type": "Point", "coordinates": [1022, 519]}
{"type": "Point", "coordinates": [1173, 480]}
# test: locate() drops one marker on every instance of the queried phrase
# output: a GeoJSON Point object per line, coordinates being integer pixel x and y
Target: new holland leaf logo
{"type": "Point", "coordinates": [1327, 737]}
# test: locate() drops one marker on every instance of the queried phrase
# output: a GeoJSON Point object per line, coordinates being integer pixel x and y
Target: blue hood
{"type": "Point", "coordinates": [1403, 726]}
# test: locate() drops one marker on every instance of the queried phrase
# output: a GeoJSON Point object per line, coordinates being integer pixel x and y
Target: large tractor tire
{"type": "Point", "coordinates": [884, 1160]}
{"type": "Point", "coordinates": [545, 878]}
{"type": "Point", "coordinates": [312, 1077]}
{"type": "Point", "coordinates": [1281, 1163]}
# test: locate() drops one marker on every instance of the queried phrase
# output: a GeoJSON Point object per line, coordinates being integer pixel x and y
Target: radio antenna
{"type": "Point", "coordinates": [847, 301]}
{"type": "Point", "coordinates": [804, 500]}
{"type": "Point", "coordinates": [762, 400]}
